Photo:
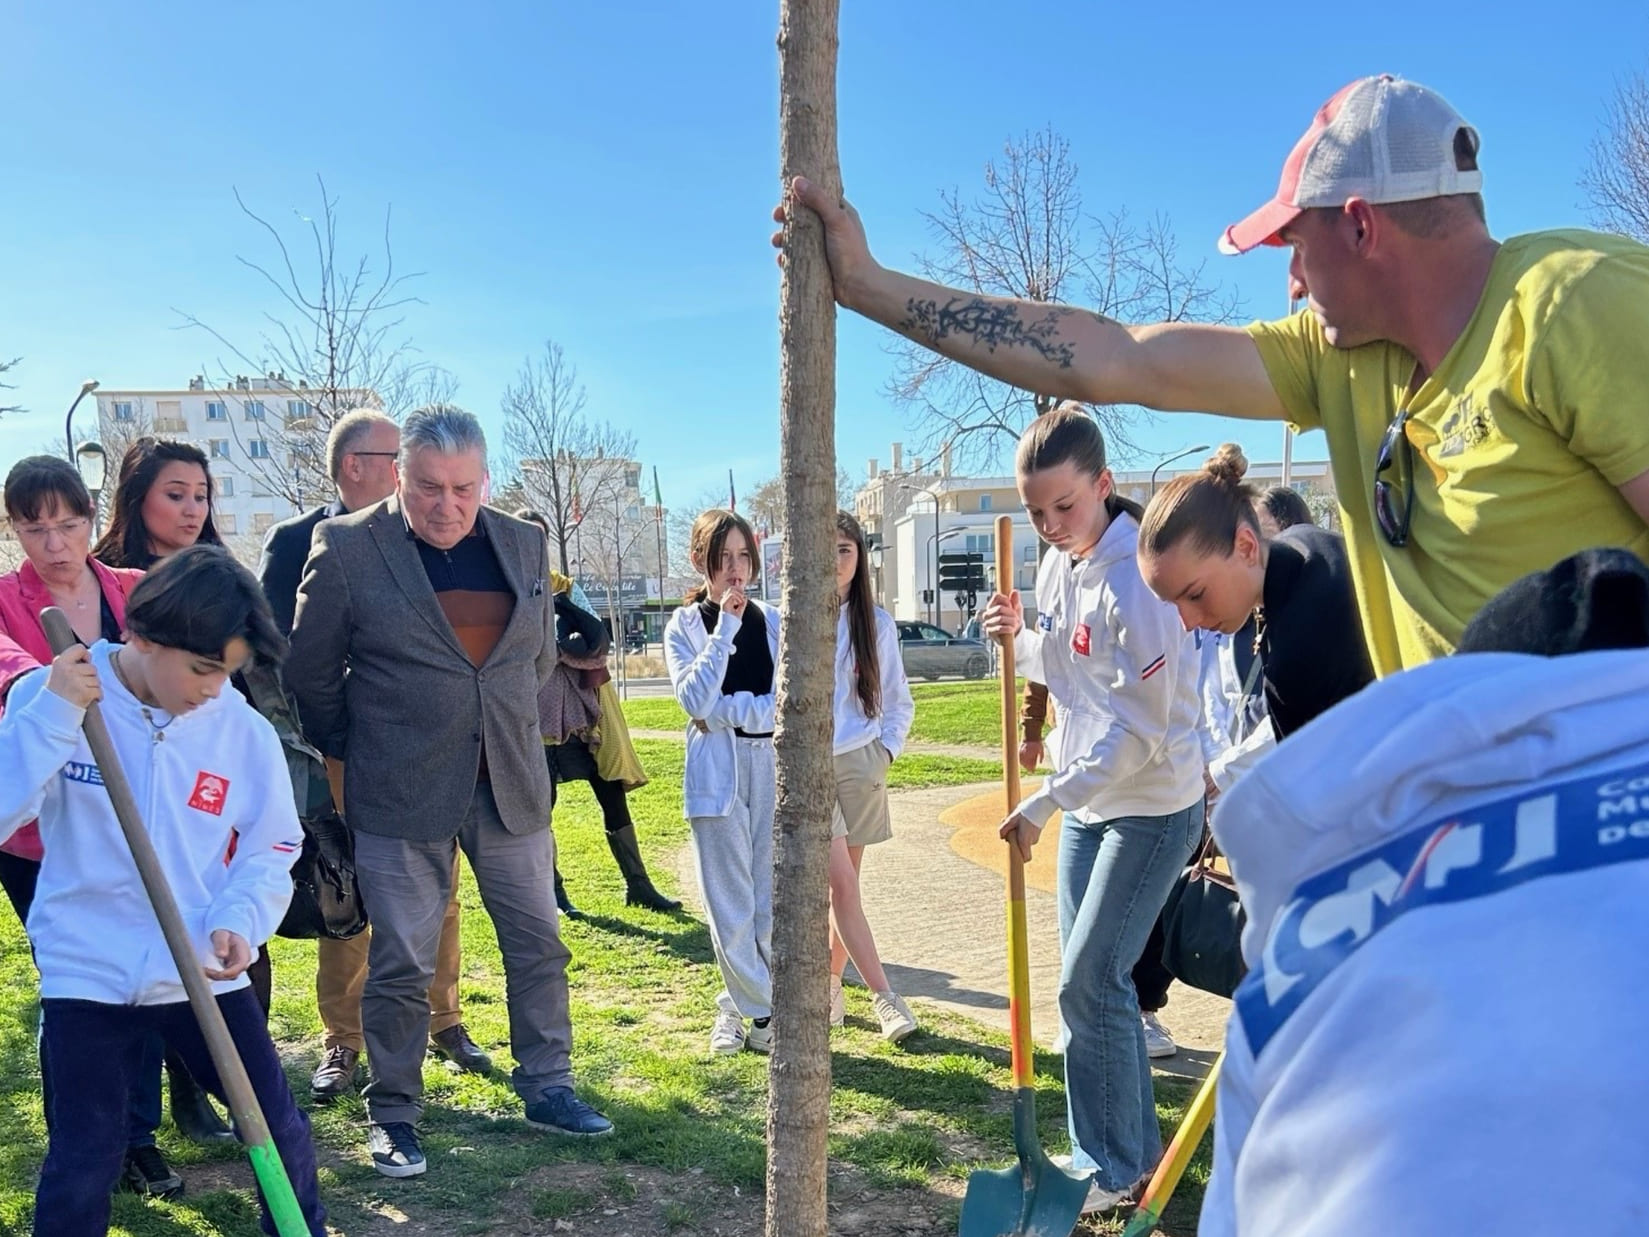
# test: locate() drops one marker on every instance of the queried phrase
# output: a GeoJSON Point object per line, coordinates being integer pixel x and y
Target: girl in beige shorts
{"type": "Point", "coordinates": [873, 712]}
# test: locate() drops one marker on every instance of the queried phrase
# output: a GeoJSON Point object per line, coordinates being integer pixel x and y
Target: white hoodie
{"type": "Point", "coordinates": [213, 789]}
{"type": "Point", "coordinates": [853, 729]}
{"type": "Point", "coordinates": [697, 661]}
{"type": "Point", "coordinates": [1447, 885]}
{"type": "Point", "coordinates": [1122, 673]}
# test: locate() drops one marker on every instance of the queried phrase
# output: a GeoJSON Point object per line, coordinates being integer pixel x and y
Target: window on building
{"type": "Point", "coordinates": [258, 449]}
{"type": "Point", "coordinates": [262, 521]}
{"type": "Point", "coordinates": [978, 543]}
{"type": "Point", "coordinates": [225, 520]}
{"type": "Point", "coordinates": [296, 409]}
{"type": "Point", "coordinates": [218, 448]}
{"type": "Point", "coordinates": [254, 410]}
{"type": "Point", "coordinates": [123, 410]}
{"type": "Point", "coordinates": [216, 410]}
{"type": "Point", "coordinates": [984, 502]}
{"type": "Point", "coordinates": [226, 487]}
{"type": "Point", "coordinates": [1027, 578]}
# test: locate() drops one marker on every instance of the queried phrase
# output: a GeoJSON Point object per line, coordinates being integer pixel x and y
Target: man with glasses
{"type": "Point", "coordinates": [360, 458]}
{"type": "Point", "coordinates": [1483, 400]}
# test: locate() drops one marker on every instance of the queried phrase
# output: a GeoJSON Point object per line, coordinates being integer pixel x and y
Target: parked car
{"type": "Point", "coordinates": [931, 652]}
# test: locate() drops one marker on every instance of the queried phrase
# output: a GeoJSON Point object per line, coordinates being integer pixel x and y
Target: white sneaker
{"type": "Point", "coordinates": [891, 1011]}
{"type": "Point", "coordinates": [760, 1038]}
{"type": "Point", "coordinates": [1098, 1200]}
{"type": "Point", "coordinates": [726, 1034]}
{"type": "Point", "coordinates": [838, 1007]}
{"type": "Point", "coordinates": [1158, 1043]}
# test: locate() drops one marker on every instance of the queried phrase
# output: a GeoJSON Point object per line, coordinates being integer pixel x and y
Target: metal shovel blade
{"type": "Point", "coordinates": [1033, 1199]}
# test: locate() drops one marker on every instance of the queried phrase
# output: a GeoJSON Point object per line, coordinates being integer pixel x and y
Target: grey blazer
{"type": "Point", "coordinates": [383, 684]}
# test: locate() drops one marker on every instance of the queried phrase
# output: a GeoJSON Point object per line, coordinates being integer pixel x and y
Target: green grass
{"type": "Point", "coordinates": [968, 713]}
{"type": "Point", "coordinates": [643, 989]}
{"type": "Point", "coordinates": [963, 713]}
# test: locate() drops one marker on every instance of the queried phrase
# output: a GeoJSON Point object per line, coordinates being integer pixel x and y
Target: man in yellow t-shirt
{"type": "Point", "coordinates": [1486, 404]}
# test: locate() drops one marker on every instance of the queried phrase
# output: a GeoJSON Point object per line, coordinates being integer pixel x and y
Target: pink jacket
{"type": "Point", "coordinates": [23, 645]}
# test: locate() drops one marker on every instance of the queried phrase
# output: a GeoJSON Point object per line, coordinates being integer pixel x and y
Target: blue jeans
{"type": "Point", "coordinates": [93, 1054]}
{"type": "Point", "coordinates": [1113, 879]}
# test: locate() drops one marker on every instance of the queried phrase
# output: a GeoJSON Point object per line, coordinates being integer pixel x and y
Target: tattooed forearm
{"type": "Point", "coordinates": [991, 325]}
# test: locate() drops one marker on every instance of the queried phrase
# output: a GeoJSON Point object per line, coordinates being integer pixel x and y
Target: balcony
{"type": "Point", "coordinates": [171, 425]}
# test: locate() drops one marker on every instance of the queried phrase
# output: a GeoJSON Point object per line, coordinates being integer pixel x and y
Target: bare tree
{"type": "Point", "coordinates": [1027, 236]}
{"type": "Point", "coordinates": [6, 386]}
{"type": "Point", "coordinates": [1616, 178]}
{"type": "Point", "coordinates": [798, 1098]}
{"type": "Point", "coordinates": [765, 506]}
{"type": "Point", "coordinates": [335, 342]}
{"type": "Point", "coordinates": [563, 458]}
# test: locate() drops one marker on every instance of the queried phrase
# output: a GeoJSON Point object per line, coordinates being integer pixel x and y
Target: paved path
{"type": "Point", "coordinates": [940, 927]}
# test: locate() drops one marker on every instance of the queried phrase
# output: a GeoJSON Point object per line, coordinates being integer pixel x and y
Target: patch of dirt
{"type": "Point", "coordinates": [626, 1200]}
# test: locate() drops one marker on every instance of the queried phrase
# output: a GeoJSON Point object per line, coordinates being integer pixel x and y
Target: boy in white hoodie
{"type": "Point", "coordinates": [1427, 868]}
{"type": "Point", "coordinates": [210, 779]}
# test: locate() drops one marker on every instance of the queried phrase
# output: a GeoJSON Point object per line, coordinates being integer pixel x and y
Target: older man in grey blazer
{"type": "Point", "coordinates": [424, 630]}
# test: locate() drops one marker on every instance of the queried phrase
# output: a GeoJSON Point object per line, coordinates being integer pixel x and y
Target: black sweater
{"type": "Point", "coordinates": [1313, 650]}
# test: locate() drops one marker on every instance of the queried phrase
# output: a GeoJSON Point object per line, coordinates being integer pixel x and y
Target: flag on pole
{"type": "Point", "coordinates": [732, 497]}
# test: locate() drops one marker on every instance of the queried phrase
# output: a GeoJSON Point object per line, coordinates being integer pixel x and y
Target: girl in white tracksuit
{"type": "Point", "coordinates": [1127, 762]}
{"type": "Point", "coordinates": [721, 649]}
{"type": "Point", "coordinates": [873, 711]}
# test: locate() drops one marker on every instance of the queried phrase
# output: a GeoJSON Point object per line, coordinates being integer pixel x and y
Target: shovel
{"type": "Point", "coordinates": [1035, 1198]}
{"type": "Point", "coordinates": [243, 1103]}
{"type": "Point", "coordinates": [1179, 1153]}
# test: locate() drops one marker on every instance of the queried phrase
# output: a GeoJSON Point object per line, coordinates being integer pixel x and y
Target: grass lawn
{"type": "Point", "coordinates": [906, 1124]}
{"type": "Point", "coordinates": [963, 712]}
{"type": "Point", "coordinates": [959, 712]}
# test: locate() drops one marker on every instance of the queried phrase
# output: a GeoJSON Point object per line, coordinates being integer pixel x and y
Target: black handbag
{"type": "Point", "coordinates": [326, 901]}
{"type": "Point", "coordinates": [1202, 925]}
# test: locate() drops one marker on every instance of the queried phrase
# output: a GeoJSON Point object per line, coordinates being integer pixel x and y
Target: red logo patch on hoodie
{"type": "Point", "coordinates": [1080, 640]}
{"type": "Point", "coordinates": [211, 791]}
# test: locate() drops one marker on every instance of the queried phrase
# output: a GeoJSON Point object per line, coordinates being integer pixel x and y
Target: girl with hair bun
{"type": "Point", "coordinates": [1201, 549]}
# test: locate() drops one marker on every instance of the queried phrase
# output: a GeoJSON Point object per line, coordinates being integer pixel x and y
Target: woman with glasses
{"type": "Point", "coordinates": [50, 511]}
{"type": "Point", "coordinates": [1201, 549]}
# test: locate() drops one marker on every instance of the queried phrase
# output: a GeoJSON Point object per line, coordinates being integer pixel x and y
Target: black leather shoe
{"type": "Point", "coordinates": [147, 1172]}
{"type": "Point", "coordinates": [335, 1075]}
{"type": "Point", "coordinates": [455, 1045]}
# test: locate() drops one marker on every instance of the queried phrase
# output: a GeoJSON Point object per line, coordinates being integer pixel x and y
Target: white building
{"type": "Point", "coordinates": [253, 432]}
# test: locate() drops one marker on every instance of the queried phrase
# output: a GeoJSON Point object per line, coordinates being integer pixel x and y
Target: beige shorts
{"type": "Point", "coordinates": [861, 814]}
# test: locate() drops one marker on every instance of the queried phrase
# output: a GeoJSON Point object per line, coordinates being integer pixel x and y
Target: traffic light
{"type": "Point", "coordinates": [962, 573]}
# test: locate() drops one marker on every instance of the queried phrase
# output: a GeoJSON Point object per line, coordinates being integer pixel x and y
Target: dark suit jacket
{"type": "Point", "coordinates": [285, 551]}
{"type": "Point", "coordinates": [383, 684]}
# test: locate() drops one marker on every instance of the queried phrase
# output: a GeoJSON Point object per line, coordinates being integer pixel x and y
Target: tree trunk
{"type": "Point", "coordinates": [798, 1105]}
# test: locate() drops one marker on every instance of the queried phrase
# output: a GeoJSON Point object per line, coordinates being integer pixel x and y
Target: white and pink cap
{"type": "Point", "coordinates": [1382, 139]}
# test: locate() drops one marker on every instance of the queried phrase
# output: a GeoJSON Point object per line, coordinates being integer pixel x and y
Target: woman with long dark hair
{"type": "Point", "coordinates": [162, 504]}
{"type": "Point", "coordinates": [873, 712]}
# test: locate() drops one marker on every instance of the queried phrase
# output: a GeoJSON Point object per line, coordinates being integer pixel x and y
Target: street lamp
{"type": "Point", "coordinates": [934, 495]}
{"type": "Point", "coordinates": [93, 463]}
{"type": "Point", "coordinates": [86, 388]}
{"type": "Point", "coordinates": [876, 566]}
{"type": "Point", "coordinates": [1178, 455]}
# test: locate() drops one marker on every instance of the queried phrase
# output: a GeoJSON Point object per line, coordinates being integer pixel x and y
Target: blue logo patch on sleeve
{"type": "Point", "coordinates": [74, 771]}
{"type": "Point", "coordinates": [1044, 622]}
{"type": "Point", "coordinates": [1576, 826]}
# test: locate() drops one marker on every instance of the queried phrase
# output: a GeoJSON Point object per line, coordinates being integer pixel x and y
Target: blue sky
{"type": "Point", "coordinates": [601, 174]}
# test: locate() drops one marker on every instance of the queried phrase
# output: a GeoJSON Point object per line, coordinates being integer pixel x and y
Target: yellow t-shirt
{"type": "Point", "coordinates": [1538, 412]}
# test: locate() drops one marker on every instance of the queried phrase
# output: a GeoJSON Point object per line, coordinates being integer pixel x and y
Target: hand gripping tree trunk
{"type": "Point", "coordinates": [798, 1105]}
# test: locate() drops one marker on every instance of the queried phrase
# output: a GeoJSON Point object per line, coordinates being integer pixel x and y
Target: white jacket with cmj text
{"type": "Point", "coordinates": [1441, 1033]}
